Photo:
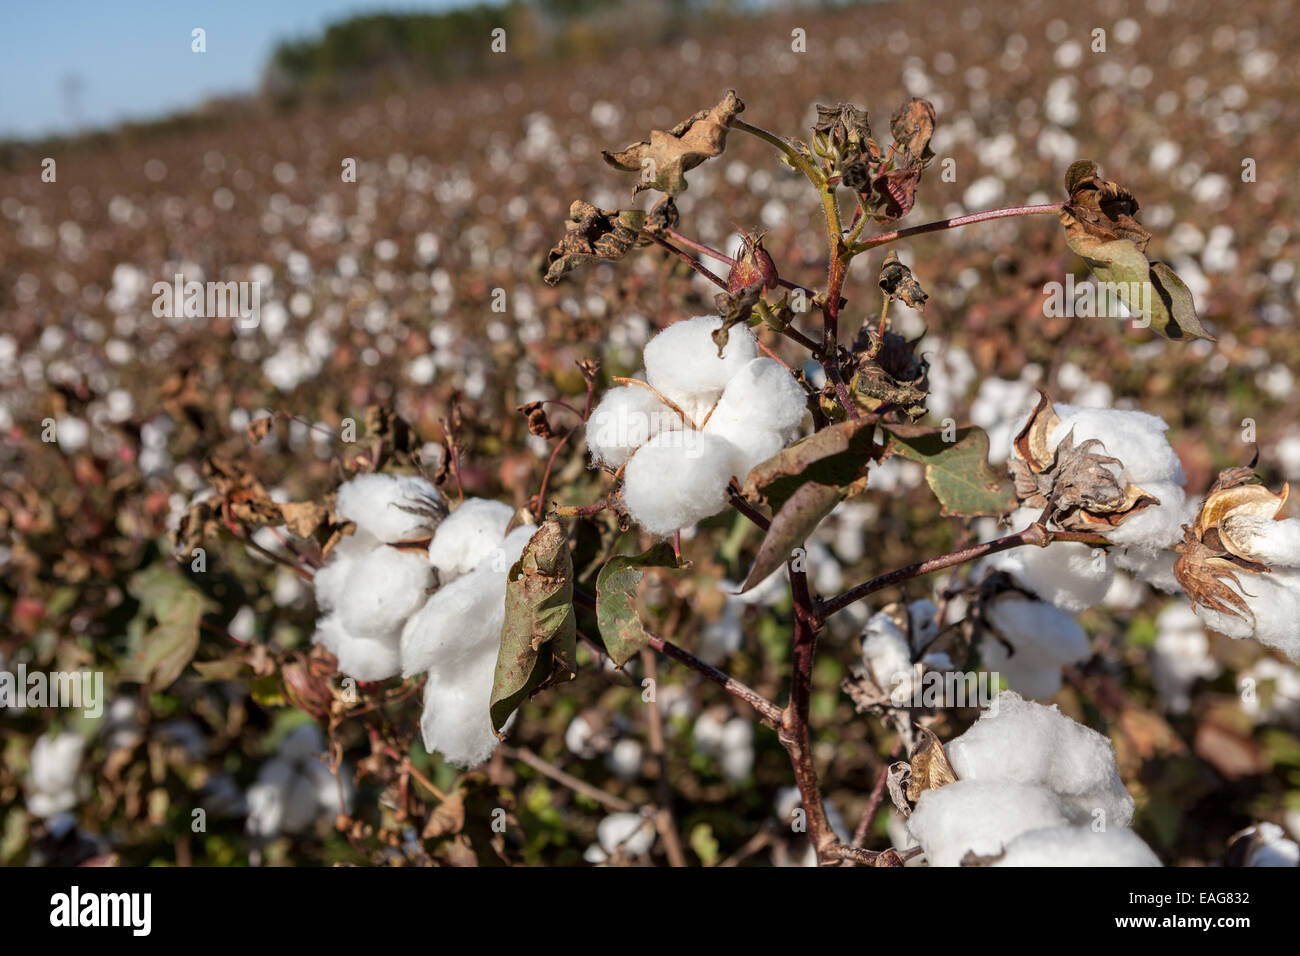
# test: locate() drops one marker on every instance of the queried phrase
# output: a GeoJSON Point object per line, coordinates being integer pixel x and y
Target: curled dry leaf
{"type": "Point", "coordinates": [912, 125]}
{"type": "Point", "coordinates": [593, 233]}
{"type": "Point", "coordinates": [667, 156]}
{"type": "Point", "coordinates": [1213, 552]}
{"type": "Point", "coordinates": [930, 767]}
{"type": "Point", "coordinates": [1100, 227]}
{"type": "Point", "coordinates": [897, 282]}
{"type": "Point", "coordinates": [1084, 491]}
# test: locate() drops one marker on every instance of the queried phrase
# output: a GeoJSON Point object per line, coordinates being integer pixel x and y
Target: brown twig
{"type": "Point", "coordinates": [664, 821]}
{"type": "Point", "coordinates": [609, 800]}
{"type": "Point", "coordinates": [1046, 209]}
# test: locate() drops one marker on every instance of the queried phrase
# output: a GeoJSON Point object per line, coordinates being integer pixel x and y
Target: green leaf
{"type": "Point", "coordinates": [1151, 290]}
{"type": "Point", "coordinates": [160, 654]}
{"type": "Point", "coordinates": [539, 638]}
{"type": "Point", "coordinates": [616, 614]}
{"type": "Point", "coordinates": [957, 471]}
{"type": "Point", "coordinates": [705, 844]}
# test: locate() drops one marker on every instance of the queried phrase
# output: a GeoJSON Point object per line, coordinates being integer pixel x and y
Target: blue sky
{"type": "Point", "coordinates": [133, 59]}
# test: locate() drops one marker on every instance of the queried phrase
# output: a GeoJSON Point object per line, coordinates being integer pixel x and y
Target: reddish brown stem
{"type": "Point", "coordinates": [1046, 209]}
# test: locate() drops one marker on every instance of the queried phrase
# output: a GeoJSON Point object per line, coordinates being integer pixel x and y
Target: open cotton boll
{"type": "Point", "coordinates": [455, 721]}
{"type": "Point", "coordinates": [1078, 846]}
{"type": "Point", "coordinates": [1156, 526]}
{"type": "Point", "coordinates": [1274, 600]}
{"type": "Point", "coordinates": [980, 817]}
{"type": "Point", "coordinates": [887, 658]}
{"type": "Point", "coordinates": [624, 420]}
{"type": "Point", "coordinates": [1275, 543]}
{"type": "Point", "coordinates": [468, 536]}
{"type": "Point", "coordinates": [1017, 740]}
{"type": "Point", "coordinates": [1045, 640]}
{"type": "Point", "coordinates": [456, 623]}
{"type": "Point", "coordinates": [377, 504]}
{"type": "Point", "coordinates": [328, 582]}
{"type": "Point", "coordinates": [624, 760]}
{"type": "Point", "coordinates": [1135, 438]}
{"type": "Point", "coordinates": [503, 557]}
{"type": "Point", "coordinates": [682, 361]}
{"type": "Point", "coordinates": [1277, 693]}
{"type": "Point", "coordinates": [1266, 844]}
{"type": "Point", "coordinates": [1153, 567]}
{"type": "Point", "coordinates": [759, 412]}
{"type": "Point", "coordinates": [677, 479]}
{"type": "Point", "coordinates": [622, 834]}
{"type": "Point", "coordinates": [382, 590]}
{"type": "Point", "coordinates": [52, 778]}
{"type": "Point", "coordinates": [268, 798]}
{"type": "Point", "coordinates": [1180, 656]}
{"type": "Point", "coordinates": [361, 658]}
{"type": "Point", "coordinates": [1071, 575]}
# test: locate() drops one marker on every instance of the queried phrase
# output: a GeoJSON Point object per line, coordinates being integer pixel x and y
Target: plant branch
{"type": "Point", "coordinates": [1035, 534]}
{"type": "Point", "coordinates": [1046, 209]}
{"type": "Point", "coordinates": [687, 258]}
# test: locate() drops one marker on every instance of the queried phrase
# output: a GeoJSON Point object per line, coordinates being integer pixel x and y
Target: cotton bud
{"type": "Point", "coordinates": [753, 265]}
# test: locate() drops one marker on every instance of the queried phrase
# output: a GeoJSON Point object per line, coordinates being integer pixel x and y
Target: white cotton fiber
{"type": "Point", "coordinates": [1135, 438]}
{"type": "Point", "coordinates": [1078, 846]}
{"type": "Point", "coordinates": [1156, 526]}
{"type": "Point", "coordinates": [625, 834]}
{"type": "Point", "coordinates": [1045, 640]}
{"type": "Point", "coordinates": [53, 777]}
{"type": "Point", "coordinates": [762, 395]}
{"type": "Point", "coordinates": [1180, 656]}
{"type": "Point", "coordinates": [1017, 740]}
{"type": "Point", "coordinates": [267, 798]}
{"type": "Point", "coordinates": [382, 589]}
{"type": "Point", "coordinates": [376, 502]}
{"type": "Point", "coordinates": [457, 621]}
{"type": "Point", "coordinates": [981, 817]}
{"type": "Point", "coordinates": [1152, 567]}
{"type": "Point", "coordinates": [1274, 599]}
{"type": "Point", "coordinates": [888, 659]}
{"type": "Point", "coordinates": [1071, 575]}
{"type": "Point", "coordinates": [1268, 846]}
{"type": "Point", "coordinates": [624, 759]}
{"type": "Point", "coordinates": [626, 418]}
{"type": "Point", "coordinates": [677, 479]}
{"type": "Point", "coordinates": [1275, 543]}
{"type": "Point", "coordinates": [682, 361]}
{"type": "Point", "coordinates": [456, 721]}
{"type": "Point", "coordinates": [749, 446]}
{"type": "Point", "coordinates": [362, 658]}
{"type": "Point", "coordinates": [468, 536]}
{"type": "Point", "coordinates": [328, 582]}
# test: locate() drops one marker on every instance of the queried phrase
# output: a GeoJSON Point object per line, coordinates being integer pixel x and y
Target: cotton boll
{"type": "Point", "coordinates": [1017, 740]}
{"type": "Point", "coordinates": [1155, 568]}
{"type": "Point", "coordinates": [682, 361]}
{"type": "Point", "coordinates": [759, 412]}
{"type": "Point", "coordinates": [1156, 526]}
{"type": "Point", "coordinates": [1045, 640]}
{"type": "Point", "coordinates": [1272, 542]}
{"type": "Point", "coordinates": [578, 736]}
{"type": "Point", "coordinates": [329, 582]}
{"type": "Point", "coordinates": [624, 420]}
{"type": "Point", "coordinates": [1265, 844]}
{"type": "Point", "coordinates": [1135, 438]}
{"type": "Point", "coordinates": [362, 658]}
{"type": "Point", "coordinates": [268, 797]}
{"type": "Point", "coordinates": [749, 446]}
{"type": "Point", "coordinates": [624, 760]}
{"type": "Point", "coordinates": [1078, 846]}
{"type": "Point", "coordinates": [888, 659]}
{"type": "Point", "coordinates": [382, 590]}
{"type": "Point", "coordinates": [677, 479]}
{"type": "Point", "coordinates": [456, 721]}
{"type": "Point", "coordinates": [52, 779]}
{"type": "Point", "coordinates": [1276, 693]}
{"type": "Point", "coordinates": [376, 503]}
{"type": "Point", "coordinates": [1181, 656]}
{"type": "Point", "coordinates": [625, 834]}
{"type": "Point", "coordinates": [1071, 575]}
{"type": "Point", "coordinates": [980, 817]}
{"type": "Point", "coordinates": [468, 536]}
{"type": "Point", "coordinates": [722, 637]}
{"type": "Point", "coordinates": [707, 734]}
{"type": "Point", "coordinates": [456, 623]}
{"type": "Point", "coordinates": [737, 750]}
{"type": "Point", "coordinates": [301, 807]}
{"type": "Point", "coordinates": [1274, 599]}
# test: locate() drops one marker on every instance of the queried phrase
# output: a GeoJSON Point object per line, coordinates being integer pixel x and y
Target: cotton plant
{"type": "Point", "coordinates": [295, 789]}
{"type": "Point", "coordinates": [1030, 787]}
{"type": "Point", "coordinates": [54, 784]}
{"type": "Point", "coordinates": [703, 414]}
